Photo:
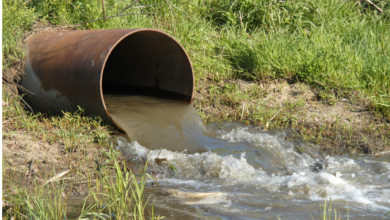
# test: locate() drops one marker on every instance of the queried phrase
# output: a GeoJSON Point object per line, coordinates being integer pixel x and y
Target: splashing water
{"type": "Point", "coordinates": [252, 174]}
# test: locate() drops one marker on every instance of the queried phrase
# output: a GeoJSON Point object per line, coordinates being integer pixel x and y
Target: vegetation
{"type": "Point", "coordinates": [72, 130]}
{"type": "Point", "coordinates": [16, 20]}
{"type": "Point", "coordinates": [340, 48]}
{"type": "Point", "coordinates": [113, 190]}
{"type": "Point", "coordinates": [119, 195]}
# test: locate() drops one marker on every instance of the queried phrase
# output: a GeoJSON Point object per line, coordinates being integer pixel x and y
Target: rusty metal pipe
{"type": "Point", "coordinates": [69, 68]}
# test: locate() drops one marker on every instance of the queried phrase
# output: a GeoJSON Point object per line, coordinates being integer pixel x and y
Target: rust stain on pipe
{"type": "Point", "coordinates": [69, 68]}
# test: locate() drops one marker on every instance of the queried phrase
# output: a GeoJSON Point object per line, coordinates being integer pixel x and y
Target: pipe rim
{"type": "Point", "coordinates": [112, 49]}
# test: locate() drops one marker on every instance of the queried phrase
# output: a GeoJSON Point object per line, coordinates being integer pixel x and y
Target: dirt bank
{"type": "Point", "coordinates": [336, 123]}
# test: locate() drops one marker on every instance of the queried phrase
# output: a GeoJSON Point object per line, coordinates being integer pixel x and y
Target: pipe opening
{"type": "Point", "coordinates": [150, 63]}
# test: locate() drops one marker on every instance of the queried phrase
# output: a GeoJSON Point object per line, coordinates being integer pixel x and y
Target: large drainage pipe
{"type": "Point", "coordinates": [70, 68]}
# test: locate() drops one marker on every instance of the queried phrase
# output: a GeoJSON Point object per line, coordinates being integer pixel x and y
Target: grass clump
{"type": "Point", "coordinates": [17, 19]}
{"type": "Point", "coordinates": [338, 47]}
{"type": "Point", "coordinates": [114, 192]}
{"type": "Point", "coordinates": [335, 46]}
{"type": "Point", "coordinates": [121, 196]}
{"type": "Point", "coordinates": [71, 130]}
{"type": "Point", "coordinates": [337, 55]}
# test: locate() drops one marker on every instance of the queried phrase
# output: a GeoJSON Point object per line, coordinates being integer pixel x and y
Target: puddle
{"type": "Point", "coordinates": [231, 171]}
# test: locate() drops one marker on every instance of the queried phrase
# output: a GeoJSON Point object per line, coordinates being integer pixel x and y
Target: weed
{"type": "Point", "coordinates": [325, 43]}
{"type": "Point", "coordinates": [119, 195]}
{"type": "Point", "coordinates": [17, 18]}
{"type": "Point", "coordinates": [339, 47]}
{"type": "Point", "coordinates": [327, 97]}
{"type": "Point", "coordinates": [172, 167]}
{"type": "Point", "coordinates": [122, 196]}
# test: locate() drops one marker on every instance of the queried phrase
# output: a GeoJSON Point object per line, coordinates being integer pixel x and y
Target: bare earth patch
{"type": "Point", "coordinates": [335, 124]}
{"type": "Point", "coordinates": [29, 162]}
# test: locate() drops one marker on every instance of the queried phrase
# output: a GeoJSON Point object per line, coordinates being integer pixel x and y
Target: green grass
{"type": "Point", "coordinates": [336, 46]}
{"type": "Point", "coordinates": [117, 194]}
{"type": "Point", "coordinates": [72, 130]}
{"type": "Point", "coordinates": [17, 19]}
{"type": "Point", "coordinates": [121, 196]}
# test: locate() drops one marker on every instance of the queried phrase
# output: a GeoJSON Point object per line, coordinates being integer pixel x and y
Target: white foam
{"type": "Point", "coordinates": [363, 183]}
{"type": "Point", "coordinates": [199, 166]}
{"type": "Point", "coordinates": [323, 185]}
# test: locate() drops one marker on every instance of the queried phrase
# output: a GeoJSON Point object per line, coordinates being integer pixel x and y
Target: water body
{"type": "Point", "coordinates": [246, 173]}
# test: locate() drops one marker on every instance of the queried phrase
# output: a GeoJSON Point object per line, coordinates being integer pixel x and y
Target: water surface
{"type": "Point", "coordinates": [239, 172]}
{"type": "Point", "coordinates": [158, 123]}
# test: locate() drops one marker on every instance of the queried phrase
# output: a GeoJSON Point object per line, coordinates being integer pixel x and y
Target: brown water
{"type": "Point", "coordinates": [239, 172]}
{"type": "Point", "coordinates": [158, 123]}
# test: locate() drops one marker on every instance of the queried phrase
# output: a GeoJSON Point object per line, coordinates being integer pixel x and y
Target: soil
{"type": "Point", "coordinates": [348, 123]}
{"type": "Point", "coordinates": [352, 111]}
{"type": "Point", "coordinates": [27, 160]}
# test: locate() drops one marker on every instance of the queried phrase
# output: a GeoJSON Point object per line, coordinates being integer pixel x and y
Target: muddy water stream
{"type": "Point", "coordinates": [231, 171]}
{"type": "Point", "coordinates": [158, 123]}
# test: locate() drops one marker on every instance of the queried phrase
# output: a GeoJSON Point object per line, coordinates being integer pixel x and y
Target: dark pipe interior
{"type": "Point", "coordinates": [149, 63]}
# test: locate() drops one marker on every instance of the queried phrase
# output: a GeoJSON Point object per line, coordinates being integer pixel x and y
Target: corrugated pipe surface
{"type": "Point", "coordinates": [70, 68]}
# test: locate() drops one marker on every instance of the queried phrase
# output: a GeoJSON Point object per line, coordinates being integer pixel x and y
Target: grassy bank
{"type": "Point", "coordinates": [66, 168]}
{"type": "Point", "coordinates": [107, 196]}
{"type": "Point", "coordinates": [337, 46]}
{"type": "Point", "coordinates": [244, 54]}
{"type": "Point", "coordinates": [339, 49]}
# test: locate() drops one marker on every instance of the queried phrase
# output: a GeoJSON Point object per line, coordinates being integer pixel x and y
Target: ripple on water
{"type": "Point", "coordinates": [246, 173]}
